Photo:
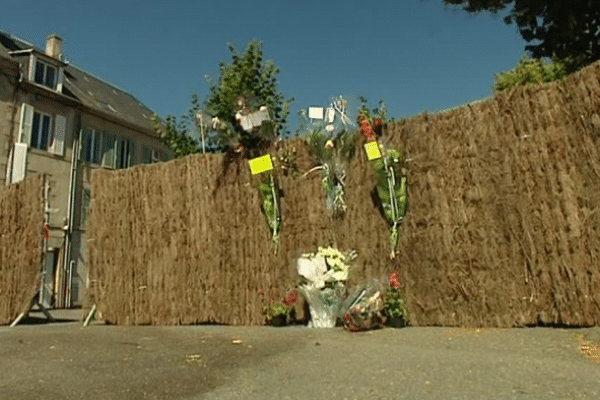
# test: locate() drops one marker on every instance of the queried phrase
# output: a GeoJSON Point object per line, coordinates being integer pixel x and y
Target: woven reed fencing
{"type": "Point", "coordinates": [501, 229]}
{"type": "Point", "coordinates": [21, 222]}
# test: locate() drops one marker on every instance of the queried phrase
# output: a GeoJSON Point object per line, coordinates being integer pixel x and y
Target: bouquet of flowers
{"type": "Point", "coordinates": [332, 146]}
{"type": "Point", "coordinates": [363, 310]}
{"type": "Point", "coordinates": [269, 189]}
{"type": "Point", "coordinates": [391, 172]}
{"type": "Point", "coordinates": [272, 308]}
{"type": "Point", "coordinates": [322, 284]}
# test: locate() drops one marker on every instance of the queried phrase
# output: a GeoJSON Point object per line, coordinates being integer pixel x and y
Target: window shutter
{"type": "Point", "coordinates": [26, 123]}
{"type": "Point", "coordinates": [60, 126]}
{"type": "Point", "coordinates": [60, 80]}
{"type": "Point", "coordinates": [132, 158]}
{"type": "Point", "coordinates": [19, 162]}
{"type": "Point", "coordinates": [32, 60]}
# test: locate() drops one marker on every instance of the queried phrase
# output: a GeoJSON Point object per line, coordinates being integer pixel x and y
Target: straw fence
{"type": "Point", "coordinates": [21, 222]}
{"type": "Point", "coordinates": [501, 229]}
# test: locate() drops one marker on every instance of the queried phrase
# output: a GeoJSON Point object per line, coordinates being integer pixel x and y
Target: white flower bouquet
{"type": "Point", "coordinates": [323, 276]}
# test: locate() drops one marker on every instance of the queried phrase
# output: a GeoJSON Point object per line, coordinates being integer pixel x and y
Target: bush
{"type": "Point", "coordinates": [534, 71]}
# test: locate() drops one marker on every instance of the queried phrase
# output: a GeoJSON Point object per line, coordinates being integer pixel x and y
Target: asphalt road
{"type": "Point", "coordinates": [67, 361]}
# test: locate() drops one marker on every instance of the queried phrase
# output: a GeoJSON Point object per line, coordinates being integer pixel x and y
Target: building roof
{"type": "Point", "coordinates": [90, 90]}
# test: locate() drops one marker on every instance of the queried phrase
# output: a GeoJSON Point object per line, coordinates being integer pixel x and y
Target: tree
{"type": "Point", "coordinates": [568, 31]}
{"type": "Point", "coordinates": [175, 135]}
{"type": "Point", "coordinates": [247, 76]}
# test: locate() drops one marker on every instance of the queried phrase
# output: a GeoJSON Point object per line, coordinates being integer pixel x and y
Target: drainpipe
{"type": "Point", "coordinates": [68, 262]}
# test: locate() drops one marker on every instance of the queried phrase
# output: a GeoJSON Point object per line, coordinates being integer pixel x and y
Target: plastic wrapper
{"type": "Point", "coordinates": [323, 274]}
{"type": "Point", "coordinates": [363, 309]}
{"type": "Point", "coordinates": [324, 304]}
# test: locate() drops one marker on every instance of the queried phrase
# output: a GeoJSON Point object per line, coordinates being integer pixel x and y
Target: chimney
{"type": "Point", "coordinates": [54, 46]}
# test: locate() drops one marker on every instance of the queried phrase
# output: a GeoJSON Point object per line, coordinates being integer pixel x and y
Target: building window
{"type": "Point", "coordinates": [92, 142]}
{"type": "Point", "coordinates": [40, 131]}
{"type": "Point", "coordinates": [116, 152]}
{"type": "Point", "coordinates": [45, 74]}
{"type": "Point", "coordinates": [150, 156]}
{"type": "Point", "coordinates": [125, 154]}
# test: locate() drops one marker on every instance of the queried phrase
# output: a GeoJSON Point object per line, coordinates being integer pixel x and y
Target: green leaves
{"type": "Point", "coordinates": [391, 188]}
{"type": "Point", "coordinates": [395, 305]}
{"type": "Point", "coordinates": [270, 193]}
{"type": "Point", "coordinates": [175, 135]}
{"type": "Point", "coordinates": [392, 191]}
{"type": "Point", "coordinates": [246, 75]}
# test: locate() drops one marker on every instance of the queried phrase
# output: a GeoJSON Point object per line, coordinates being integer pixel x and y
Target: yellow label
{"type": "Point", "coordinates": [260, 164]}
{"type": "Point", "coordinates": [372, 150]}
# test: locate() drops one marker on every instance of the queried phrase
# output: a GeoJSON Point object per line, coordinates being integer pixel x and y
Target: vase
{"type": "Point", "coordinates": [279, 320]}
{"type": "Point", "coordinates": [396, 322]}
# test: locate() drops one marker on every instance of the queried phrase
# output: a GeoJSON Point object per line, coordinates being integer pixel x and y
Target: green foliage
{"type": "Point", "coordinates": [392, 190]}
{"type": "Point", "coordinates": [175, 135]}
{"type": "Point", "coordinates": [533, 71]}
{"type": "Point", "coordinates": [395, 305]}
{"type": "Point", "coordinates": [391, 185]}
{"type": "Point", "coordinates": [332, 153]}
{"type": "Point", "coordinates": [249, 76]}
{"type": "Point", "coordinates": [378, 112]}
{"type": "Point", "coordinates": [270, 205]}
{"type": "Point", "coordinates": [561, 29]}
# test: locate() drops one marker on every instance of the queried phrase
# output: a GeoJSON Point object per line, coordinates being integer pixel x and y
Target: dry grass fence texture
{"type": "Point", "coordinates": [21, 221]}
{"type": "Point", "coordinates": [501, 228]}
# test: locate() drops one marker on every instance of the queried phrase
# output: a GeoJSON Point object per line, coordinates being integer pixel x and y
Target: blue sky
{"type": "Point", "coordinates": [414, 55]}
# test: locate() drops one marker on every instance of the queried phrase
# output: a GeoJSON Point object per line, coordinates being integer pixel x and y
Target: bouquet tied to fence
{"type": "Point", "coordinates": [331, 143]}
{"type": "Point", "coordinates": [390, 169]}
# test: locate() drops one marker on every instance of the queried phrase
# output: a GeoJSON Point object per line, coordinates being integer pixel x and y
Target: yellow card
{"type": "Point", "coordinates": [260, 164]}
{"type": "Point", "coordinates": [372, 150]}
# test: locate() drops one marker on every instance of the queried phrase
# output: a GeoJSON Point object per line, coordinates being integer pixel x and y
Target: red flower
{"type": "Point", "coordinates": [377, 122]}
{"type": "Point", "coordinates": [394, 280]}
{"type": "Point", "coordinates": [261, 294]}
{"type": "Point", "coordinates": [271, 302]}
{"type": "Point", "coordinates": [291, 299]}
{"type": "Point", "coordinates": [366, 130]}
